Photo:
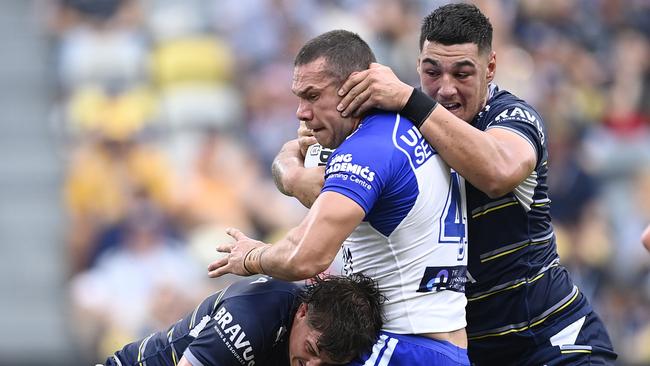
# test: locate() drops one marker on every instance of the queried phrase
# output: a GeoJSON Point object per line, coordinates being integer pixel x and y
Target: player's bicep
{"type": "Point", "coordinates": [329, 222]}
{"type": "Point", "coordinates": [333, 216]}
{"type": "Point", "coordinates": [517, 150]}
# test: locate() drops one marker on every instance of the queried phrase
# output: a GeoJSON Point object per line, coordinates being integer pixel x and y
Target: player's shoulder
{"type": "Point", "coordinates": [376, 124]}
{"type": "Point", "coordinates": [262, 285]}
{"type": "Point", "coordinates": [504, 106]}
{"type": "Point", "coordinates": [374, 134]}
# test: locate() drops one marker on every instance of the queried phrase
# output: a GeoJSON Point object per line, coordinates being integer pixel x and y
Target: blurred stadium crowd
{"type": "Point", "coordinates": [170, 113]}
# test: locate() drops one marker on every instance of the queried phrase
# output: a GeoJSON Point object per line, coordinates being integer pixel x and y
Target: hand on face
{"type": "Point", "coordinates": [377, 87]}
{"type": "Point", "coordinates": [305, 138]}
{"type": "Point", "coordinates": [237, 251]}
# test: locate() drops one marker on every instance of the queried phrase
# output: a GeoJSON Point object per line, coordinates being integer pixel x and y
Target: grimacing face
{"type": "Point", "coordinates": [316, 90]}
{"type": "Point", "coordinates": [456, 76]}
{"type": "Point", "coordinates": [303, 342]}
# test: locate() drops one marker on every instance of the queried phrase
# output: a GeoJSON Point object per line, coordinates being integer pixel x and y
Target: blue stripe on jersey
{"type": "Point", "coordinates": [379, 160]}
{"type": "Point", "coordinates": [405, 350]}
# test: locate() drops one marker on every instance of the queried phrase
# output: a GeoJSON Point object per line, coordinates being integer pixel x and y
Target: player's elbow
{"type": "Point", "coordinates": [496, 191]}
{"type": "Point", "coordinates": [286, 181]}
{"type": "Point", "coordinates": [498, 185]}
{"type": "Point", "coordinates": [504, 178]}
{"type": "Point", "coordinates": [282, 176]}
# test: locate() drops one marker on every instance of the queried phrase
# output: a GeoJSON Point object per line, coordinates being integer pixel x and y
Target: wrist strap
{"type": "Point", "coordinates": [418, 107]}
{"type": "Point", "coordinates": [253, 260]}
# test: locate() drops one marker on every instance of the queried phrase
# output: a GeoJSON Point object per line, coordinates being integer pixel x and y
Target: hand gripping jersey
{"type": "Point", "coordinates": [413, 237]}
{"type": "Point", "coordinates": [245, 324]}
{"type": "Point", "coordinates": [516, 290]}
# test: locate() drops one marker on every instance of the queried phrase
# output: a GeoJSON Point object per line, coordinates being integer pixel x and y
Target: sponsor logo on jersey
{"type": "Point", "coordinates": [234, 337]}
{"type": "Point", "coordinates": [438, 279]}
{"type": "Point", "coordinates": [341, 166]}
{"type": "Point", "coordinates": [413, 143]}
{"type": "Point", "coordinates": [516, 113]}
{"type": "Point", "coordinates": [347, 262]}
{"type": "Point", "coordinates": [521, 114]}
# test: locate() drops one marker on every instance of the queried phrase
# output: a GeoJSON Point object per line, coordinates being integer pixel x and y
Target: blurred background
{"type": "Point", "coordinates": [134, 131]}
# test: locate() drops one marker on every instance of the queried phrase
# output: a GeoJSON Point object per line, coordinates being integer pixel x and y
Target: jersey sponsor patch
{"type": "Point", "coordinates": [234, 337]}
{"type": "Point", "coordinates": [409, 139]}
{"type": "Point", "coordinates": [342, 166]}
{"type": "Point", "coordinates": [438, 279]}
{"type": "Point", "coordinates": [522, 115]}
{"type": "Point", "coordinates": [516, 113]}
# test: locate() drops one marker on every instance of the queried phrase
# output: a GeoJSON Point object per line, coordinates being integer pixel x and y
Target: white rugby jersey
{"type": "Point", "coordinates": [413, 239]}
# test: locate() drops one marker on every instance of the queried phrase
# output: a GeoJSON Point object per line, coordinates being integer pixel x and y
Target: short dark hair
{"type": "Point", "coordinates": [457, 24]}
{"type": "Point", "coordinates": [344, 51]}
{"type": "Point", "coordinates": [348, 313]}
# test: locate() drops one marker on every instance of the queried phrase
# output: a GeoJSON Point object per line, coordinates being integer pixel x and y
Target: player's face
{"type": "Point", "coordinates": [303, 342]}
{"type": "Point", "coordinates": [316, 90]}
{"type": "Point", "coordinates": [456, 76]}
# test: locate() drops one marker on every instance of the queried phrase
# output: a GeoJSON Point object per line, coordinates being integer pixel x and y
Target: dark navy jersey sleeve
{"type": "Point", "coordinates": [517, 116]}
{"type": "Point", "coordinates": [360, 168]}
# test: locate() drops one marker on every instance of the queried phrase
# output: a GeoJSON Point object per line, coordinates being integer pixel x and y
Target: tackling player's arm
{"type": "Point", "coordinates": [292, 178]}
{"type": "Point", "coordinates": [495, 161]}
{"type": "Point", "coordinates": [304, 252]}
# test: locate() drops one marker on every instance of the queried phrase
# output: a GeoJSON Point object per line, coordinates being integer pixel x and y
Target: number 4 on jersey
{"type": "Point", "coordinates": [453, 225]}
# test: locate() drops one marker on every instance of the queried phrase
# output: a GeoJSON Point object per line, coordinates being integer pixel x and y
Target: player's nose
{"type": "Point", "coordinates": [447, 87]}
{"type": "Point", "coordinates": [304, 112]}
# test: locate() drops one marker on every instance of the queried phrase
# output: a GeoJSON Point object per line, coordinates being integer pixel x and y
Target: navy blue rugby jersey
{"type": "Point", "coordinates": [516, 285]}
{"type": "Point", "coordinates": [245, 324]}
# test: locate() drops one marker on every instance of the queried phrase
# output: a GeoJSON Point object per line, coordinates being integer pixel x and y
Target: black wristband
{"type": "Point", "coordinates": [419, 107]}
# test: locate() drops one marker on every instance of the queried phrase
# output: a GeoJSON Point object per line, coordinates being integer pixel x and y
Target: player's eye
{"type": "Point", "coordinates": [432, 72]}
{"type": "Point", "coordinates": [312, 97]}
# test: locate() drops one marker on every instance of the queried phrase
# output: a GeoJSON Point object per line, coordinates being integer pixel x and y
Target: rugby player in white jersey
{"type": "Point", "coordinates": [390, 200]}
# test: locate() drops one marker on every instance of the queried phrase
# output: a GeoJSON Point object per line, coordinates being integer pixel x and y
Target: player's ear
{"type": "Point", "coordinates": [302, 311]}
{"type": "Point", "coordinates": [491, 66]}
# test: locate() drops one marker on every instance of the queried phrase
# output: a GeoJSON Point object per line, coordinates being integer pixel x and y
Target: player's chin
{"type": "Point", "coordinates": [324, 141]}
{"type": "Point", "coordinates": [461, 113]}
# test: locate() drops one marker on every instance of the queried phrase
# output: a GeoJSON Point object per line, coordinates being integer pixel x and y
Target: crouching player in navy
{"type": "Point", "coordinates": [393, 204]}
{"type": "Point", "coordinates": [264, 321]}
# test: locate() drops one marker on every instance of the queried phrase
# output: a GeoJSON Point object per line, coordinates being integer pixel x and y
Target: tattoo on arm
{"type": "Point", "coordinates": [276, 170]}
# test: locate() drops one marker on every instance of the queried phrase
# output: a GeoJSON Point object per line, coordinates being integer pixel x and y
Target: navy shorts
{"type": "Point", "coordinates": [583, 342]}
